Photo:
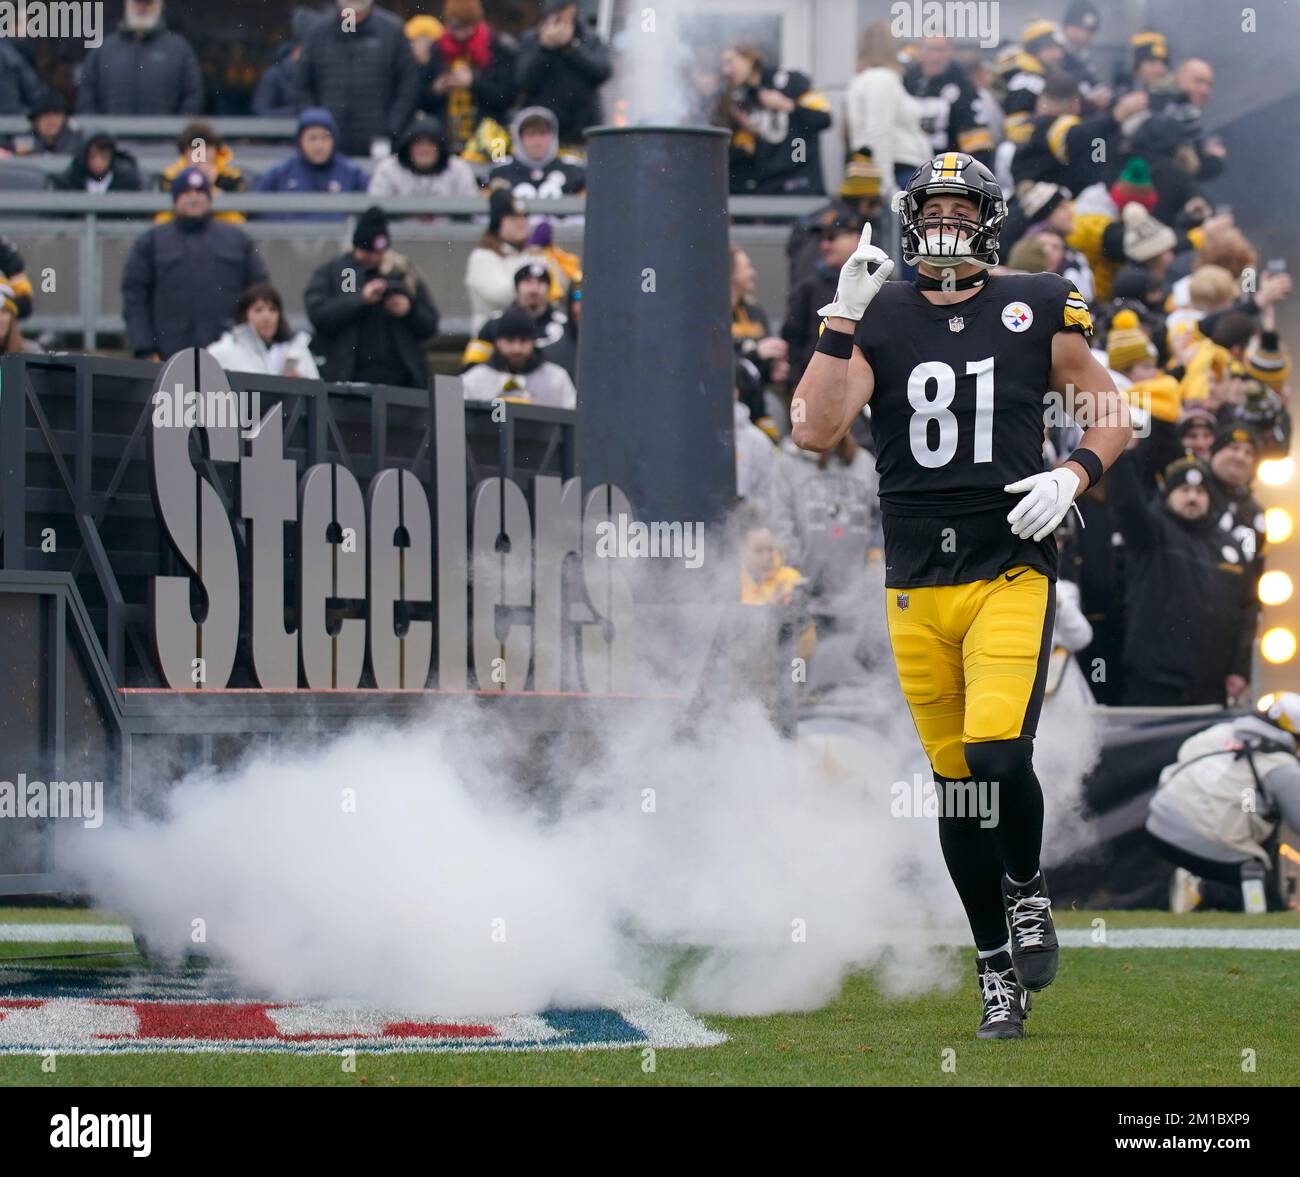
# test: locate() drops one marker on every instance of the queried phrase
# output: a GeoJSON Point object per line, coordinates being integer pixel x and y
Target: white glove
{"type": "Point", "coordinates": [1047, 500]}
{"type": "Point", "coordinates": [857, 286]}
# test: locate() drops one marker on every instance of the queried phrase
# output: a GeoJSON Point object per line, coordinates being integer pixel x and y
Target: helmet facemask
{"type": "Point", "coordinates": [944, 241]}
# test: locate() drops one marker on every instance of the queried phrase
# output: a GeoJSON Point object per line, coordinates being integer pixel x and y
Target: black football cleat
{"type": "Point", "coordinates": [1006, 1001]}
{"type": "Point", "coordinates": [1035, 951]}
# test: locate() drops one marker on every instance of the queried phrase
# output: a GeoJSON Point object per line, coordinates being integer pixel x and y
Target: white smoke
{"type": "Point", "coordinates": [694, 850]}
{"type": "Point", "coordinates": [650, 85]}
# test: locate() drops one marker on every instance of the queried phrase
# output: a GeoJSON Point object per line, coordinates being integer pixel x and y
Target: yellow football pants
{"type": "Point", "coordinates": [972, 660]}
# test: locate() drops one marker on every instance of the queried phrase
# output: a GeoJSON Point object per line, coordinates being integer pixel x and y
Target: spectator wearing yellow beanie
{"type": "Point", "coordinates": [1131, 355]}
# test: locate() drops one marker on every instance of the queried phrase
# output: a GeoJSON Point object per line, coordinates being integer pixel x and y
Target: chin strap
{"type": "Point", "coordinates": [925, 282]}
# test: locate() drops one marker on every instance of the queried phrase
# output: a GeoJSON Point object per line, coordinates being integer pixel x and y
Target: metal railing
{"type": "Point", "coordinates": [130, 126]}
{"type": "Point", "coordinates": [90, 235]}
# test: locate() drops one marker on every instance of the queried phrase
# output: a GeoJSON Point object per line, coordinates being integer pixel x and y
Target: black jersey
{"type": "Point", "coordinates": [958, 412]}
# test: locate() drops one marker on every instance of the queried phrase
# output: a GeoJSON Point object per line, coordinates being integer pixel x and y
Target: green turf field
{"type": "Point", "coordinates": [1152, 1017]}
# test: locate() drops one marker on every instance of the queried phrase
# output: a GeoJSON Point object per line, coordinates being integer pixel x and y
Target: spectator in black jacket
{"type": "Point", "coordinates": [467, 72]}
{"type": "Point", "coordinates": [143, 68]}
{"type": "Point", "coordinates": [372, 313]}
{"type": "Point", "coordinates": [950, 108]}
{"type": "Point", "coordinates": [838, 237]}
{"type": "Point", "coordinates": [276, 96]}
{"type": "Point", "coordinates": [19, 84]}
{"type": "Point", "coordinates": [776, 119]}
{"type": "Point", "coordinates": [1191, 601]}
{"type": "Point", "coordinates": [182, 280]}
{"type": "Point", "coordinates": [50, 133]}
{"type": "Point", "coordinates": [1234, 457]}
{"type": "Point", "coordinates": [100, 166]}
{"type": "Point", "coordinates": [358, 66]}
{"type": "Point", "coordinates": [860, 197]}
{"type": "Point", "coordinates": [562, 67]}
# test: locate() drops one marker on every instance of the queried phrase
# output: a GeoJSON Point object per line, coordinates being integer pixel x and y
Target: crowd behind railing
{"type": "Point", "coordinates": [1105, 178]}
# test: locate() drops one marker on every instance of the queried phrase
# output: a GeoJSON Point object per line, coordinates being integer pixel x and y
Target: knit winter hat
{"type": "Point", "coordinates": [423, 26]}
{"type": "Point", "coordinates": [1126, 343]}
{"type": "Point", "coordinates": [462, 12]}
{"type": "Point", "coordinates": [516, 323]}
{"type": "Point", "coordinates": [1039, 34]}
{"type": "Point", "coordinates": [1134, 185]}
{"type": "Point", "coordinates": [1234, 433]}
{"type": "Point", "coordinates": [1145, 238]}
{"type": "Point", "coordinates": [1149, 46]}
{"type": "Point", "coordinates": [536, 270]}
{"type": "Point", "coordinates": [1040, 200]}
{"type": "Point", "coordinates": [372, 230]}
{"type": "Point", "coordinates": [861, 176]}
{"type": "Point", "coordinates": [502, 204]}
{"type": "Point", "coordinates": [192, 179]}
{"type": "Point", "coordinates": [1186, 471]}
{"type": "Point", "coordinates": [1268, 362]}
{"type": "Point", "coordinates": [1082, 14]}
{"type": "Point", "coordinates": [1195, 415]}
{"type": "Point", "coordinates": [8, 299]}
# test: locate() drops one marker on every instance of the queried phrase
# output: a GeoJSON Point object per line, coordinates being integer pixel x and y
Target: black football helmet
{"type": "Point", "coordinates": [941, 241]}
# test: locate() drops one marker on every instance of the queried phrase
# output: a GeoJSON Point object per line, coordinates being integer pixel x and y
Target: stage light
{"type": "Point", "coordinates": [1278, 524]}
{"type": "Point", "coordinates": [1275, 587]}
{"type": "Point", "coordinates": [1277, 645]}
{"type": "Point", "coordinates": [1276, 471]}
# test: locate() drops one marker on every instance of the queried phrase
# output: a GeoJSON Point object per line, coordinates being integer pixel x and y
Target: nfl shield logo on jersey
{"type": "Point", "coordinates": [956, 323]}
{"type": "Point", "coordinates": [902, 600]}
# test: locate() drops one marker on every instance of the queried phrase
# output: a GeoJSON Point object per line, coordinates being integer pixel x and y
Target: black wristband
{"type": "Point", "coordinates": [1091, 465]}
{"type": "Point", "coordinates": [838, 344]}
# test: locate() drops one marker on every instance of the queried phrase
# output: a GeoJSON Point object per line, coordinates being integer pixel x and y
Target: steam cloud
{"type": "Point", "coordinates": [411, 868]}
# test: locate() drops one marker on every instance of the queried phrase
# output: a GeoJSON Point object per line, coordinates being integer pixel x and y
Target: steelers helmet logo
{"type": "Point", "coordinates": [1017, 316]}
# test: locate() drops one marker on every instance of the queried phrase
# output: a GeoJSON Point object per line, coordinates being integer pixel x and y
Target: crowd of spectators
{"type": "Point", "coordinates": [1105, 178]}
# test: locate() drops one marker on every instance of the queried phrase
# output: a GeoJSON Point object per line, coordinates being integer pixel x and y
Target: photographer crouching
{"type": "Point", "coordinates": [1217, 813]}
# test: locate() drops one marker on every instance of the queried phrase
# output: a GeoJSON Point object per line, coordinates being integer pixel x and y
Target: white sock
{"type": "Point", "coordinates": [994, 951]}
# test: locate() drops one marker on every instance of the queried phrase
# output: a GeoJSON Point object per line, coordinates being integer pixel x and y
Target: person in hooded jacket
{"type": "Point", "coordinates": [317, 166]}
{"type": "Point", "coordinates": [423, 165]}
{"type": "Point", "coordinates": [1190, 600]}
{"type": "Point", "coordinates": [536, 168]}
{"type": "Point", "coordinates": [100, 166]}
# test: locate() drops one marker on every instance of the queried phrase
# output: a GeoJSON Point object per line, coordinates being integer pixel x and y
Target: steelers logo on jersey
{"type": "Point", "coordinates": [1018, 316]}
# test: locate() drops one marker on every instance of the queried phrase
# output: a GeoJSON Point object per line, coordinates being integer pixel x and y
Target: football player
{"type": "Point", "coordinates": [957, 367]}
